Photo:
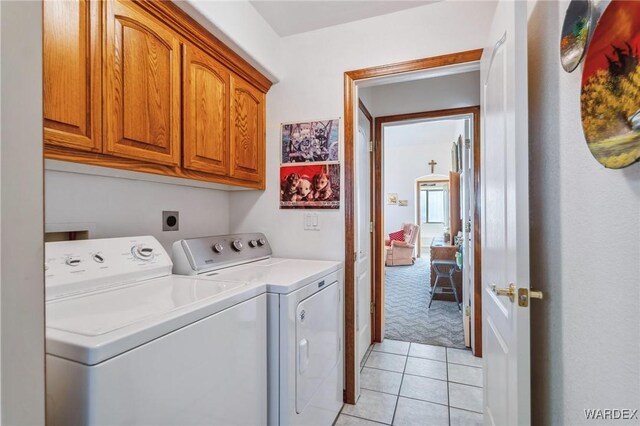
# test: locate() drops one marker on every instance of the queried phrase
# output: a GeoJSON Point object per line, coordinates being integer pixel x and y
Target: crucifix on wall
{"type": "Point", "coordinates": [433, 165]}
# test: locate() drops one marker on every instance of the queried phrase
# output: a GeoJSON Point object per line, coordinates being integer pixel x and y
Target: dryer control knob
{"type": "Point", "coordinates": [72, 261]}
{"type": "Point", "coordinates": [237, 245]}
{"type": "Point", "coordinates": [142, 252]}
{"type": "Point", "coordinates": [253, 243]}
{"type": "Point", "coordinates": [262, 242]}
{"type": "Point", "coordinates": [217, 247]}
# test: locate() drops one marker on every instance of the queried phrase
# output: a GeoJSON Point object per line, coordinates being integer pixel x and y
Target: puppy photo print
{"type": "Point", "coordinates": [310, 142]}
{"type": "Point", "coordinates": [313, 186]}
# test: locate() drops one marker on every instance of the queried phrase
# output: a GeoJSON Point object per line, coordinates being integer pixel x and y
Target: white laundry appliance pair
{"type": "Point", "coordinates": [130, 343]}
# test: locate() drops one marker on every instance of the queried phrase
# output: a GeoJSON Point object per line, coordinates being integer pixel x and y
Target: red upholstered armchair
{"type": "Point", "coordinates": [401, 252]}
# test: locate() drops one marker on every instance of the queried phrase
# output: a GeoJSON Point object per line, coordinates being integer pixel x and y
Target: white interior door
{"type": "Point", "coordinates": [363, 237]}
{"type": "Point", "coordinates": [505, 217]}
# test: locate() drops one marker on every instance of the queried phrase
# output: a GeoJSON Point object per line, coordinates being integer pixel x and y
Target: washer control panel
{"type": "Point", "coordinates": [74, 267]}
{"type": "Point", "coordinates": [199, 255]}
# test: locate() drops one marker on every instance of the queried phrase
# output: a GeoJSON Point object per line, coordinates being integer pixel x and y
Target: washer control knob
{"type": "Point", "coordinates": [72, 261]}
{"type": "Point", "coordinates": [217, 248]}
{"type": "Point", "coordinates": [98, 258]}
{"type": "Point", "coordinates": [262, 242]}
{"type": "Point", "coordinates": [142, 252]}
{"type": "Point", "coordinates": [253, 243]}
{"type": "Point", "coordinates": [236, 245]}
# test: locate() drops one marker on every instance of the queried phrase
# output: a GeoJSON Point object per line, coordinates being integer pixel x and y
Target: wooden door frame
{"type": "Point", "coordinates": [350, 78]}
{"type": "Point", "coordinates": [372, 239]}
{"type": "Point", "coordinates": [418, 209]}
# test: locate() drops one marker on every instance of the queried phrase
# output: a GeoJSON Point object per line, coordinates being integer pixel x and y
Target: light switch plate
{"type": "Point", "coordinates": [311, 222]}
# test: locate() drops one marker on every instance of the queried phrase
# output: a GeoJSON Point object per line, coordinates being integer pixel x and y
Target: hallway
{"type": "Point", "coordinates": [407, 383]}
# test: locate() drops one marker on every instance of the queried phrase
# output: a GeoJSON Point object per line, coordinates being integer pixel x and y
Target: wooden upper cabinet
{"type": "Point", "coordinates": [139, 85]}
{"type": "Point", "coordinates": [71, 74]}
{"type": "Point", "coordinates": [142, 86]}
{"type": "Point", "coordinates": [247, 132]}
{"type": "Point", "coordinates": [205, 113]}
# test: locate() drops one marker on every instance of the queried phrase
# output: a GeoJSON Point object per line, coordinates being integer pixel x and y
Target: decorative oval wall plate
{"type": "Point", "coordinates": [610, 97]}
{"type": "Point", "coordinates": [575, 33]}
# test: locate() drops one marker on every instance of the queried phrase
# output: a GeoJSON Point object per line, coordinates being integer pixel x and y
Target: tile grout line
{"type": "Point", "coordinates": [401, 381]}
{"type": "Point", "coordinates": [366, 356]}
{"type": "Point", "coordinates": [464, 365]}
{"type": "Point", "coordinates": [467, 410]}
{"type": "Point", "coordinates": [423, 400]}
{"type": "Point", "coordinates": [364, 418]}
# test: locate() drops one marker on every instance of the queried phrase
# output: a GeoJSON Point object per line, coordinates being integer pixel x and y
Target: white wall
{"type": "Point", "coordinates": [239, 25]}
{"type": "Point", "coordinates": [121, 207]}
{"type": "Point", "coordinates": [429, 94]}
{"type": "Point", "coordinates": [21, 217]}
{"type": "Point", "coordinates": [312, 88]}
{"type": "Point", "coordinates": [585, 248]}
{"type": "Point", "coordinates": [408, 149]}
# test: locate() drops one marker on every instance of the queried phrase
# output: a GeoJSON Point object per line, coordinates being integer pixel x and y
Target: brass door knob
{"type": "Point", "coordinates": [510, 291]}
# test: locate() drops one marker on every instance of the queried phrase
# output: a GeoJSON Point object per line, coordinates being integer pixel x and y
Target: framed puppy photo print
{"type": "Point", "coordinates": [310, 141]}
{"type": "Point", "coordinates": [312, 186]}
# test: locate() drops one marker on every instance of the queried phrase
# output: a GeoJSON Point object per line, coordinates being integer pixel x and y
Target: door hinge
{"type": "Point", "coordinates": [373, 307]}
{"type": "Point", "coordinates": [355, 256]}
{"type": "Point", "coordinates": [370, 226]}
{"type": "Point", "coordinates": [370, 146]}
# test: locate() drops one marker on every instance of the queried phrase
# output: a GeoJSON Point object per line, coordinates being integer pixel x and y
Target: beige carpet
{"type": "Point", "coordinates": [406, 315]}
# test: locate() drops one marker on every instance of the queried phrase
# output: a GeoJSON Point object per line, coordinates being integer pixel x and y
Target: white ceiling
{"type": "Point", "coordinates": [288, 17]}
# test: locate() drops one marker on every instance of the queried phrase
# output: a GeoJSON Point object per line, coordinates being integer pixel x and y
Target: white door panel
{"type": "Point", "coordinates": [505, 217]}
{"type": "Point", "coordinates": [363, 238]}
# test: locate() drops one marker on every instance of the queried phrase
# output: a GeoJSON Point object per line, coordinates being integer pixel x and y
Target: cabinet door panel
{"type": "Point", "coordinates": [71, 74]}
{"type": "Point", "coordinates": [206, 113]}
{"type": "Point", "coordinates": [142, 112]}
{"type": "Point", "coordinates": [247, 132]}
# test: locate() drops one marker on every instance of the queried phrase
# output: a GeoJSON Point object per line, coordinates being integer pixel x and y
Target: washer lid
{"type": "Point", "coordinates": [92, 327]}
{"type": "Point", "coordinates": [280, 275]}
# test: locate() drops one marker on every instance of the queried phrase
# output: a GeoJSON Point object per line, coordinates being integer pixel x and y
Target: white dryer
{"type": "Point", "coordinates": [305, 317]}
{"type": "Point", "coordinates": [129, 343]}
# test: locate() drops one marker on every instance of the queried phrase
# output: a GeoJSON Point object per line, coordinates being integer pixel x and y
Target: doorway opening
{"type": "Point", "coordinates": [443, 65]}
{"type": "Point", "coordinates": [426, 299]}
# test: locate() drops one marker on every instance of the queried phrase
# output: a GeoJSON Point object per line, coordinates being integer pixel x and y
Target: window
{"type": "Point", "coordinates": [432, 208]}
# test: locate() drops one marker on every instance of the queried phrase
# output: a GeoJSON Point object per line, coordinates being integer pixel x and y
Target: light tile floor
{"type": "Point", "coordinates": [406, 383]}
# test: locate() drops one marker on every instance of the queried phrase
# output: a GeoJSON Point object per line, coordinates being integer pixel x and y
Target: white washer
{"type": "Point", "coordinates": [305, 317]}
{"type": "Point", "coordinates": [129, 343]}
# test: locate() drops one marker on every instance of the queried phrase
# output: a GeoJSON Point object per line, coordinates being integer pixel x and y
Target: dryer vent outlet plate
{"type": "Point", "coordinates": [170, 220]}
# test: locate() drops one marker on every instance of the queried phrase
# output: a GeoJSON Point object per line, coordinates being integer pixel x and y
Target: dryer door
{"type": "Point", "coordinates": [317, 342]}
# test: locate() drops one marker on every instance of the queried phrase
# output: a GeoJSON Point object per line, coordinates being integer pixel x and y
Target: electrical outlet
{"type": "Point", "coordinates": [170, 220]}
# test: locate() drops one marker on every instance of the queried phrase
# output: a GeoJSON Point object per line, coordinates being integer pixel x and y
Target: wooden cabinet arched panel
{"type": "Point", "coordinates": [71, 74]}
{"type": "Point", "coordinates": [206, 113]}
{"type": "Point", "coordinates": [247, 132]}
{"type": "Point", "coordinates": [142, 97]}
